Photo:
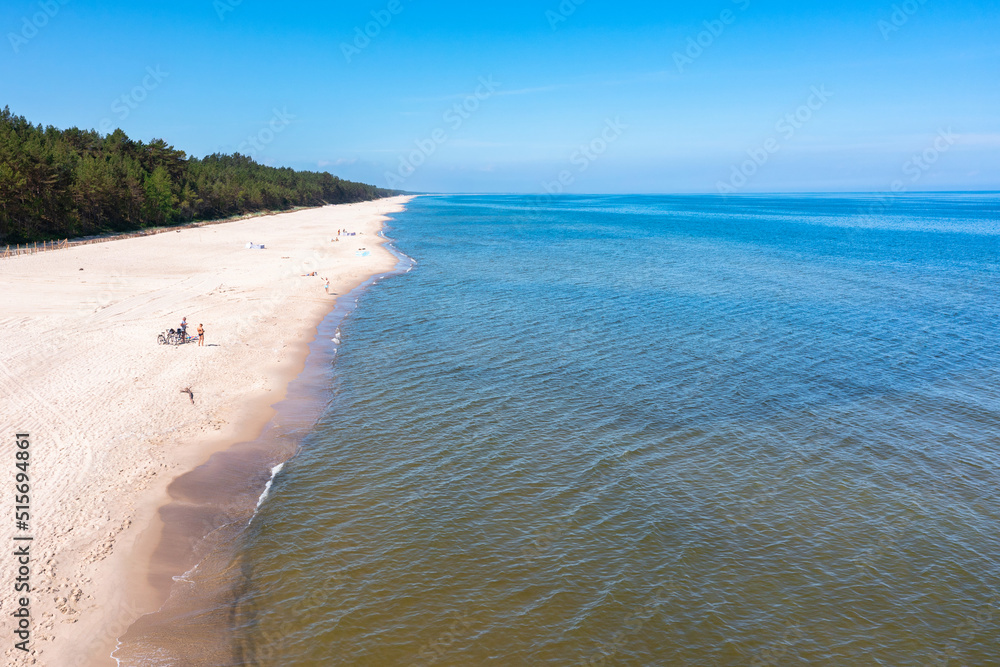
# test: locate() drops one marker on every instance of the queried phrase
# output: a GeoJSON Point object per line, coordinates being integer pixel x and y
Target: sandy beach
{"type": "Point", "coordinates": [105, 406]}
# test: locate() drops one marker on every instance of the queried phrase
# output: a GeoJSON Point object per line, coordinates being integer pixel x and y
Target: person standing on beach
{"type": "Point", "coordinates": [201, 335]}
{"type": "Point", "coordinates": [327, 285]}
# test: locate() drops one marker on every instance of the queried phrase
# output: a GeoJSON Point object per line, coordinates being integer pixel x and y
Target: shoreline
{"type": "Point", "coordinates": [214, 505]}
{"type": "Point", "coordinates": [82, 372]}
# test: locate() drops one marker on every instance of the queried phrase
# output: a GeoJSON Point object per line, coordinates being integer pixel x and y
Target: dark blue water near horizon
{"type": "Point", "coordinates": [651, 430]}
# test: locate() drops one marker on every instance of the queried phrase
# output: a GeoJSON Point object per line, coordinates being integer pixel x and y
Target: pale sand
{"type": "Point", "coordinates": [81, 371]}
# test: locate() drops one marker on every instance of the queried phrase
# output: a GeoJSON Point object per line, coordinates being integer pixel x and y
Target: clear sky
{"type": "Point", "coordinates": [753, 95]}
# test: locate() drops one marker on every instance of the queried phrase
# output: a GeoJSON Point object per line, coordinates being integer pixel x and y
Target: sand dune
{"type": "Point", "coordinates": [81, 371]}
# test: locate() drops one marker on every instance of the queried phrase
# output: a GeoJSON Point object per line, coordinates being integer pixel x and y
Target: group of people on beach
{"type": "Point", "coordinates": [344, 232]}
{"type": "Point", "coordinates": [201, 332]}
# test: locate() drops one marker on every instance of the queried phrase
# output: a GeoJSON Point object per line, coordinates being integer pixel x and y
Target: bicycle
{"type": "Point", "coordinates": [173, 337]}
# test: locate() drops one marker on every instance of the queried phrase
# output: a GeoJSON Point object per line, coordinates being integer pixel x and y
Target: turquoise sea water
{"type": "Point", "coordinates": [650, 431]}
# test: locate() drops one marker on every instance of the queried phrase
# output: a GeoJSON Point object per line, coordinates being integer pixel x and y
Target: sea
{"type": "Point", "coordinates": [628, 430]}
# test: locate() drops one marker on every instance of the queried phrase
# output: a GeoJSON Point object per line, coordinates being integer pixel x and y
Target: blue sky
{"type": "Point", "coordinates": [595, 97]}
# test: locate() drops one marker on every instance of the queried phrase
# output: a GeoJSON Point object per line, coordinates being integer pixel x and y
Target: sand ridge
{"type": "Point", "coordinates": [81, 371]}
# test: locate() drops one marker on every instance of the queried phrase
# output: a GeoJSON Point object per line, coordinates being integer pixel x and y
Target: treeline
{"type": "Point", "coordinates": [58, 184]}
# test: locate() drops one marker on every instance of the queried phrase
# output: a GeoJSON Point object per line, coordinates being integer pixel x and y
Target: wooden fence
{"type": "Point", "coordinates": [33, 248]}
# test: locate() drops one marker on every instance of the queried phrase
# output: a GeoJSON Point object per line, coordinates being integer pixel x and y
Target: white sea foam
{"type": "Point", "coordinates": [267, 487]}
{"type": "Point", "coordinates": [186, 576]}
